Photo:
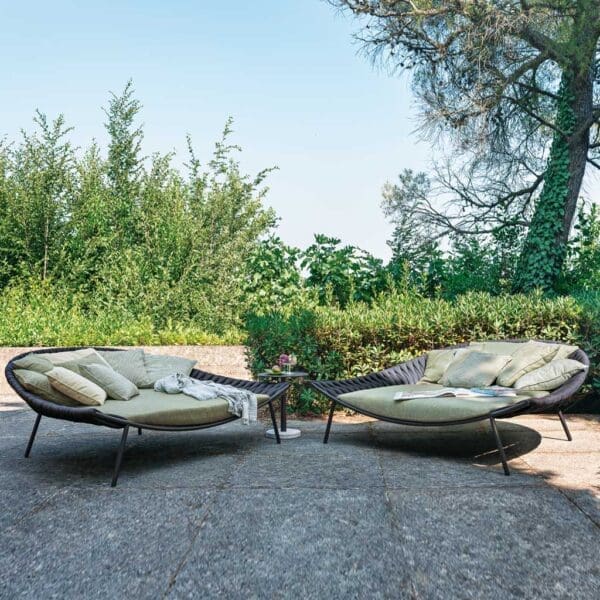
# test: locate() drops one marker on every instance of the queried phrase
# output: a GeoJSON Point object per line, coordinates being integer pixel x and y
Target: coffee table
{"type": "Point", "coordinates": [295, 378]}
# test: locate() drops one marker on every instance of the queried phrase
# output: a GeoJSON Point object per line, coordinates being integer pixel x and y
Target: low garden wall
{"type": "Point", "coordinates": [225, 360]}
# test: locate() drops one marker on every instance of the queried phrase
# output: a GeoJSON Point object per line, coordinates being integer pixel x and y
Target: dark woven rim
{"type": "Point", "coordinates": [410, 372]}
{"type": "Point", "coordinates": [88, 414]}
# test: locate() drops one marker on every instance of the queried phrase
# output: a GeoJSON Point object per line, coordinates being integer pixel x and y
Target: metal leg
{"type": "Point", "coordinates": [274, 421]}
{"type": "Point", "coordinates": [329, 420]}
{"type": "Point", "coordinates": [32, 436]}
{"type": "Point", "coordinates": [284, 410]}
{"type": "Point", "coordinates": [500, 447]}
{"type": "Point", "coordinates": [139, 431]}
{"type": "Point", "coordinates": [119, 456]}
{"type": "Point", "coordinates": [564, 424]}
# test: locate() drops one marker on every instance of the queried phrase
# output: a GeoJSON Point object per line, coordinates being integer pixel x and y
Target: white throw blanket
{"type": "Point", "coordinates": [242, 403]}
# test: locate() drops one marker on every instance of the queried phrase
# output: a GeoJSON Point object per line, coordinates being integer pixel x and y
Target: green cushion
{"type": "Point", "coordinates": [130, 364]}
{"type": "Point", "coordinates": [380, 402]}
{"type": "Point", "coordinates": [504, 348]}
{"type": "Point", "coordinates": [78, 363]}
{"type": "Point", "coordinates": [59, 358]}
{"type": "Point", "coordinates": [39, 384]}
{"type": "Point", "coordinates": [550, 376]}
{"type": "Point", "coordinates": [528, 357]}
{"type": "Point", "coordinates": [437, 363]}
{"type": "Point", "coordinates": [157, 408]}
{"type": "Point", "coordinates": [564, 351]}
{"type": "Point", "coordinates": [114, 384]}
{"type": "Point", "coordinates": [34, 362]}
{"type": "Point", "coordinates": [162, 365]}
{"type": "Point", "coordinates": [76, 386]}
{"type": "Point", "coordinates": [474, 369]}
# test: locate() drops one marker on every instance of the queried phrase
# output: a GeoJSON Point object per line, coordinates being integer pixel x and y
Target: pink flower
{"type": "Point", "coordinates": [284, 359]}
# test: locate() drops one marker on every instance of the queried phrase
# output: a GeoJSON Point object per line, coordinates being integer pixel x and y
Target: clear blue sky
{"type": "Point", "coordinates": [288, 72]}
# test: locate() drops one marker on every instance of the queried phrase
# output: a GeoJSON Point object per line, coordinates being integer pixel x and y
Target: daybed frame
{"type": "Point", "coordinates": [410, 372]}
{"type": "Point", "coordinates": [88, 414]}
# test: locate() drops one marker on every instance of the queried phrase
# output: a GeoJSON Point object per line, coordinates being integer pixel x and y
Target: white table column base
{"type": "Point", "coordinates": [288, 434]}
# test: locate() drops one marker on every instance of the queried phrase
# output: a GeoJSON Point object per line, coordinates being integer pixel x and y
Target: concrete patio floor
{"type": "Point", "coordinates": [380, 512]}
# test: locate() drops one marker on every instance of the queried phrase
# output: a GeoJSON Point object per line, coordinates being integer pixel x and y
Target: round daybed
{"type": "Point", "coordinates": [149, 410]}
{"type": "Point", "coordinates": [372, 395]}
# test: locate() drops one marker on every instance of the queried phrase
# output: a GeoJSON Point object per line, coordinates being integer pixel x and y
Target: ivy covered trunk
{"type": "Point", "coordinates": [545, 247]}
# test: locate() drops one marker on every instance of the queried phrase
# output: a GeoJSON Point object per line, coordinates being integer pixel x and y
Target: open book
{"type": "Point", "coordinates": [493, 391]}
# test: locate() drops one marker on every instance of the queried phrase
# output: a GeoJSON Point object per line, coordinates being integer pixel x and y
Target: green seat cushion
{"type": "Point", "coordinates": [114, 384]}
{"type": "Point", "coordinates": [158, 408]}
{"type": "Point", "coordinates": [39, 384]}
{"type": "Point", "coordinates": [162, 365]}
{"type": "Point", "coordinates": [130, 364]}
{"type": "Point", "coordinates": [380, 402]}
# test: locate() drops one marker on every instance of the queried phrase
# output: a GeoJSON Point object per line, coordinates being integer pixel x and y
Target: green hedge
{"type": "Point", "coordinates": [332, 343]}
{"type": "Point", "coordinates": [44, 316]}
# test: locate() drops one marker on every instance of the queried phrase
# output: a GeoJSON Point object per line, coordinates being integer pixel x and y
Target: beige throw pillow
{"type": "Point", "coordinates": [75, 386]}
{"type": "Point", "coordinates": [550, 376]}
{"type": "Point", "coordinates": [39, 384]}
{"type": "Point", "coordinates": [528, 357]}
{"type": "Point", "coordinates": [474, 369]}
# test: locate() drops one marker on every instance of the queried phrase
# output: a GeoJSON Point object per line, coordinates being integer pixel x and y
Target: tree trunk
{"type": "Point", "coordinates": [544, 251]}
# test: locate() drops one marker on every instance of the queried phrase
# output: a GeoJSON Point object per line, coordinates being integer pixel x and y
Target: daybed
{"type": "Point", "coordinates": [373, 395]}
{"type": "Point", "coordinates": [148, 410]}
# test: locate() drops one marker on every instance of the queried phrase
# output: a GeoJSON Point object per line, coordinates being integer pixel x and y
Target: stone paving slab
{"type": "Point", "coordinates": [379, 512]}
{"type": "Point", "coordinates": [516, 543]}
{"type": "Point", "coordinates": [105, 544]}
{"type": "Point", "coordinates": [342, 550]}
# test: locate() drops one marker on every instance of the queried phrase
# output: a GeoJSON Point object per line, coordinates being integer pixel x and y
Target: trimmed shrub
{"type": "Point", "coordinates": [332, 343]}
{"type": "Point", "coordinates": [43, 315]}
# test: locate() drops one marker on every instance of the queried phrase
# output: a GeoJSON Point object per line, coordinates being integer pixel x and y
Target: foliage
{"type": "Point", "coordinates": [133, 235]}
{"type": "Point", "coordinates": [583, 265]}
{"type": "Point", "coordinates": [37, 185]}
{"type": "Point", "coordinates": [42, 314]}
{"type": "Point", "coordinates": [488, 78]}
{"type": "Point", "coordinates": [545, 249]}
{"type": "Point", "coordinates": [414, 239]}
{"type": "Point", "coordinates": [342, 274]}
{"type": "Point", "coordinates": [274, 277]}
{"type": "Point", "coordinates": [333, 343]}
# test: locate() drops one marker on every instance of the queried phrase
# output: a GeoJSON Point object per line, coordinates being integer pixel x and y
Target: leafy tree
{"type": "Point", "coordinates": [133, 236]}
{"type": "Point", "coordinates": [414, 240]}
{"type": "Point", "coordinates": [583, 260]}
{"type": "Point", "coordinates": [124, 167]}
{"type": "Point", "coordinates": [513, 85]}
{"type": "Point", "coordinates": [342, 273]}
{"type": "Point", "coordinates": [273, 276]}
{"type": "Point", "coordinates": [37, 186]}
